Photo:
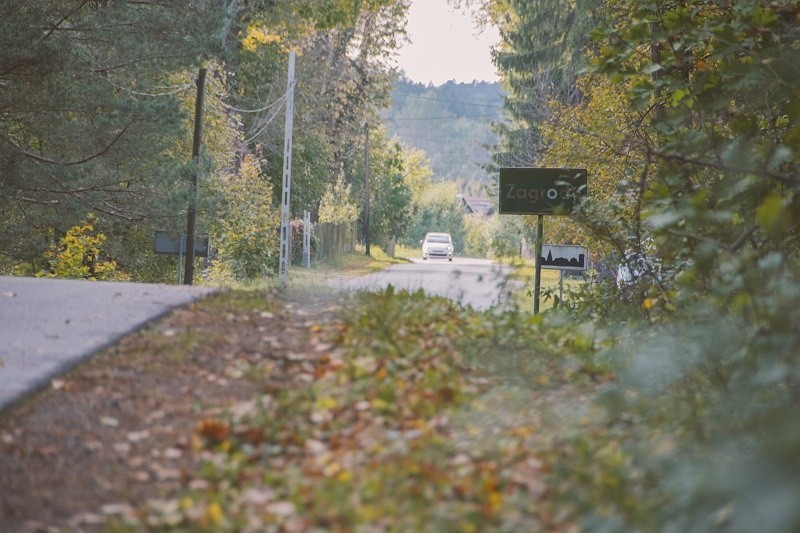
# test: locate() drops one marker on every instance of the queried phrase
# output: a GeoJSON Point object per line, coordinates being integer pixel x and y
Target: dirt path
{"type": "Point", "coordinates": [114, 436]}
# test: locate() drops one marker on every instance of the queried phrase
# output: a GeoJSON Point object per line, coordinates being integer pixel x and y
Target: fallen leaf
{"type": "Point", "coordinates": [258, 495]}
{"type": "Point", "coordinates": [281, 508]}
{"type": "Point", "coordinates": [122, 509]}
{"type": "Point", "coordinates": [122, 448]}
{"type": "Point", "coordinates": [173, 453]}
{"type": "Point", "coordinates": [136, 436]}
{"type": "Point", "coordinates": [109, 421]}
{"type": "Point", "coordinates": [213, 430]}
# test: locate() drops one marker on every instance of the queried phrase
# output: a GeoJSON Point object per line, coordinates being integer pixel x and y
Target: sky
{"type": "Point", "coordinates": [445, 46]}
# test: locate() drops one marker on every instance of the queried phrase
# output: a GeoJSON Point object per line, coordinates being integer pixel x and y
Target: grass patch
{"type": "Point", "coordinates": [522, 280]}
{"type": "Point", "coordinates": [354, 264]}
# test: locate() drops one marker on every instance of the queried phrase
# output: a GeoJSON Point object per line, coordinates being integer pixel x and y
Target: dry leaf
{"type": "Point", "coordinates": [281, 508]}
{"type": "Point", "coordinates": [109, 421]}
{"type": "Point", "coordinates": [213, 430]}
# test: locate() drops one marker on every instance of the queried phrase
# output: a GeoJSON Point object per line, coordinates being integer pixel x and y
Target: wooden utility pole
{"type": "Point", "coordinates": [191, 217]}
{"type": "Point", "coordinates": [366, 188]}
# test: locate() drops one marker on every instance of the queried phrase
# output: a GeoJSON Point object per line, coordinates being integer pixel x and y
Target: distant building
{"type": "Point", "coordinates": [476, 206]}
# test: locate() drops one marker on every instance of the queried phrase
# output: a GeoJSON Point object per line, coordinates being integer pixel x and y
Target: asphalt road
{"type": "Point", "coordinates": [48, 325]}
{"type": "Point", "coordinates": [473, 282]}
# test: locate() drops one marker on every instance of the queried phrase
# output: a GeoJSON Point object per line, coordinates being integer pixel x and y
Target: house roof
{"type": "Point", "coordinates": [478, 206]}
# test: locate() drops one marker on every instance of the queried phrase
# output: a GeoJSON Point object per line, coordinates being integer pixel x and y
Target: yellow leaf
{"type": "Point", "coordinates": [326, 402]}
{"type": "Point", "coordinates": [214, 514]}
{"type": "Point", "coordinates": [256, 36]}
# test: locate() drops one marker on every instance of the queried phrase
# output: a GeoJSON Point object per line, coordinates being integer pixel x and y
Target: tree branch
{"type": "Point", "coordinates": [72, 163]}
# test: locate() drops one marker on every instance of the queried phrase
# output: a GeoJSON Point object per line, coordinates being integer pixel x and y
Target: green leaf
{"type": "Point", "coordinates": [663, 221]}
{"type": "Point", "coordinates": [772, 217]}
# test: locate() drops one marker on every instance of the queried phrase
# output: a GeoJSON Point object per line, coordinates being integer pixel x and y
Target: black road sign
{"type": "Point", "coordinates": [541, 191]}
{"type": "Point", "coordinates": [172, 244]}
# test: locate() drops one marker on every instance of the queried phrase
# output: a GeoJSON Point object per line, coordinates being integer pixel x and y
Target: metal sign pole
{"type": "Point", "coordinates": [307, 239]}
{"type": "Point", "coordinates": [537, 280]}
{"type": "Point", "coordinates": [283, 265]}
{"type": "Point", "coordinates": [181, 250]}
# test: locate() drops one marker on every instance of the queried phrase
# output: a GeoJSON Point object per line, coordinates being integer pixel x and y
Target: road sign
{"type": "Point", "coordinates": [564, 257]}
{"type": "Point", "coordinates": [172, 244]}
{"type": "Point", "coordinates": [541, 191]}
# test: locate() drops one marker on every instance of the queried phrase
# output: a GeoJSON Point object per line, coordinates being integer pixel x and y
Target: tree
{"type": "Point", "coordinates": [602, 134]}
{"type": "Point", "coordinates": [438, 210]}
{"type": "Point", "coordinates": [245, 226]}
{"type": "Point", "coordinates": [87, 120]}
{"type": "Point", "coordinates": [716, 81]}
{"type": "Point", "coordinates": [96, 100]}
{"type": "Point", "coordinates": [539, 57]}
{"type": "Point", "coordinates": [390, 195]}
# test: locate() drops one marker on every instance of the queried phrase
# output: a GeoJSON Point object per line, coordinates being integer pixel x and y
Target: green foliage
{"type": "Point", "coordinates": [89, 114]}
{"type": "Point", "coordinates": [99, 107]}
{"type": "Point", "coordinates": [506, 239]}
{"type": "Point", "coordinates": [245, 229]}
{"type": "Point", "coordinates": [539, 56]}
{"type": "Point", "coordinates": [337, 205]}
{"type": "Point", "coordinates": [479, 233]}
{"type": "Point", "coordinates": [438, 210]}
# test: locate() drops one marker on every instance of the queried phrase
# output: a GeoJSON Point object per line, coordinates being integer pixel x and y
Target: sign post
{"type": "Point", "coordinates": [168, 243]}
{"type": "Point", "coordinates": [537, 278]}
{"type": "Point", "coordinates": [540, 191]}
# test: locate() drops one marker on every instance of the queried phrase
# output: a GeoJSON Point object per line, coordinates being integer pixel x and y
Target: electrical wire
{"type": "Point", "coordinates": [403, 119]}
{"type": "Point", "coordinates": [407, 95]}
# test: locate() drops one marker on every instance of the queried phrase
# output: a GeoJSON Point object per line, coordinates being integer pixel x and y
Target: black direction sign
{"type": "Point", "coordinates": [171, 244]}
{"type": "Point", "coordinates": [541, 191]}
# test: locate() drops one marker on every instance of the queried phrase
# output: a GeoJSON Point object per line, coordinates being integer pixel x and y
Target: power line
{"type": "Point", "coordinates": [438, 118]}
{"type": "Point", "coordinates": [449, 101]}
{"type": "Point", "coordinates": [406, 137]}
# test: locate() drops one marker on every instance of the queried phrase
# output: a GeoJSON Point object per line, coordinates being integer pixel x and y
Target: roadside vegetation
{"type": "Point", "coordinates": [663, 400]}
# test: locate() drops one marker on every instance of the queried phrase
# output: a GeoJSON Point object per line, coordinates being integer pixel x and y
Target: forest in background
{"type": "Point", "coordinates": [452, 123]}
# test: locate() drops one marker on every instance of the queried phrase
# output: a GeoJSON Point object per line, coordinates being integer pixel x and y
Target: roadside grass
{"type": "Point", "coordinates": [406, 412]}
{"type": "Point", "coordinates": [352, 264]}
{"type": "Point", "coordinates": [522, 278]}
{"type": "Point", "coordinates": [403, 412]}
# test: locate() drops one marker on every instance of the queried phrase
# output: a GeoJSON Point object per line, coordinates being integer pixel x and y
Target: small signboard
{"type": "Point", "coordinates": [564, 257]}
{"type": "Point", "coordinates": [172, 244]}
{"type": "Point", "coordinates": [541, 191]}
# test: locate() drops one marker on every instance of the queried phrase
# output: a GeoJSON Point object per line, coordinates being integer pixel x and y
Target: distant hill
{"type": "Point", "coordinates": [451, 122]}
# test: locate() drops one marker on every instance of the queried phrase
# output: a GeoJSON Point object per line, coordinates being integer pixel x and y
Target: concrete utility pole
{"type": "Point", "coordinates": [366, 188]}
{"type": "Point", "coordinates": [286, 234]}
{"type": "Point", "coordinates": [191, 217]}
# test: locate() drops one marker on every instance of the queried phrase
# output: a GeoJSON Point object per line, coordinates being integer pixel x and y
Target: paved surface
{"type": "Point", "coordinates": [473, 282]}
{"type": "Point", "coordinates": [47, 325]}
